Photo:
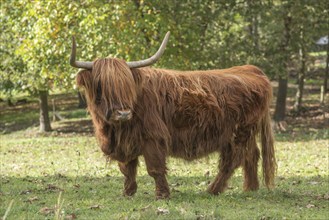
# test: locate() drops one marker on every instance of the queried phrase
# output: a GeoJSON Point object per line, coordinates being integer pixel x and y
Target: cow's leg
{"type": "Point", "coordinates": [129, 170]}
{"type": "Point", "coordinates": [250, 165]}
{"type": "Point", "coordinates": [155, 159]}
{"type": "Point", "coordinates": [230, 160]}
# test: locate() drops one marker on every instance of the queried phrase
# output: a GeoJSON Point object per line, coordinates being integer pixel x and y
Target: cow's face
{"type": "Point", "coordinates": [114, 112]}
{"type": "Point", "coordinates": [100, 99]}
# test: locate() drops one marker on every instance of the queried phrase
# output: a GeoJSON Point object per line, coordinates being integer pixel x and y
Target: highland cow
{"type": "Point", "coordinates": [156, 113]}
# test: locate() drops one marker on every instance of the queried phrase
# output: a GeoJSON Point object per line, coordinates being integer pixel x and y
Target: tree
{"type": "Point", "coordinates": [40, 48]}
{"type": "Point", "coordinates": [321, 27]}
{"type": "Point", "coordinates": [41, 30]}
{"type": "Point", "coordinates": [326, 74]}
{"type": "Point", "coordinates": [301, 72]}
{"type": "Point", "coordinates": [280, 53]}
{"type": "Point", "coordinates": [204, 34]}
{"type": "Point", "coordinates": [307, 14]}
{"type": "Point", "coordinates": [11, 66]}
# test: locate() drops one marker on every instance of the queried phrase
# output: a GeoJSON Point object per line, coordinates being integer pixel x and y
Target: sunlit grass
{"type": "Point", "coordinates": [35, 169]}
{"type": "Point", "coordinates": [64, 175]}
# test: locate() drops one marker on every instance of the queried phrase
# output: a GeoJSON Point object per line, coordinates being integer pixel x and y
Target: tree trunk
{"type": "Point", "coordinates": [44, 113]}
{"type": "Point", "coordinates": [280, 107]}
{"type": "Point", "coordinates": [253, 23]}
{"type": "Point", "coordinates": [326, 74]}
{"type": "Point", "coordinates": [300, 89]}
{"type": "Point", "coordinates": [82, 100]}
{"type": "Point", "coordinates": [9, 102]}
{"type": "Point", "coordinates": [301, 76]}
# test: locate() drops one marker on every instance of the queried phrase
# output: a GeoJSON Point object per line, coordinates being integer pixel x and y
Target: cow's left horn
{"type": "Point", "coordinates": [152, 59]}
{"type": "Point", "coordinates": [78, 64]}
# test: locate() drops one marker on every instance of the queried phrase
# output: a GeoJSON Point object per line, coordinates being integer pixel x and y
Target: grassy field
{"type": "Point", "coordinates": [63, 175]}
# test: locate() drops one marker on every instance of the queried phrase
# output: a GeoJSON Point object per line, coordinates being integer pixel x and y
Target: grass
{"type": "Point", "coordinates": [317, 54]}
{"type": "Point", "coordinates": [63, 175]}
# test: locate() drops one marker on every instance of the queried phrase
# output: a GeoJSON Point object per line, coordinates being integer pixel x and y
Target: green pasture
{"type": "Point", "coordinates": [63, 175]}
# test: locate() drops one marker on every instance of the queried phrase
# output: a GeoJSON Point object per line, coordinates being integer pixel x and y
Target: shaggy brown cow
{"type": "Point", "coordinates": [158, 113]}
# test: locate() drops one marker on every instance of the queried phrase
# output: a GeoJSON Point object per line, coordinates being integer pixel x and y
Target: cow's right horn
{"type": "Point", "coordinates": [78, 64]}
{"type": "Point", "coordinates": [133, 64]}
{"type": "Point", "coordinates": [152, 59]}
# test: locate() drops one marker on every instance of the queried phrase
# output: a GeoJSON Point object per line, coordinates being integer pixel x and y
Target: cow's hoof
{"type": "Point", "coordinates": [130, 190]}
{"type": "Point", "coordinates": [251, 186]}
{"type": "Point", "coordinates": [162, 195]}
{"type": "Point", "coordinates": [212, 192]}
{"type": "Point", "coordinates": [212, 189]}
{"type": "Point", "coordinates": [129, 193]}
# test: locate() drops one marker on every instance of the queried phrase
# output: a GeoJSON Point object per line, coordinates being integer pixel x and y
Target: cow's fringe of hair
{"type": "Point", "coordinates": [114, 78]}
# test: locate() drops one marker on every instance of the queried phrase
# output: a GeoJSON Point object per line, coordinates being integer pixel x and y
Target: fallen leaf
{"type": "Point", "coordinates": [146, 207]}
{"type": "Point", "coordinates": [52, 187]}
{"type": "Point", "coordinates": [296, 182]}
{"type": "Point", "coordinates": [95, 207]}
{"type": "Point", "coordinates": [70, 216]}
{"type": "Point", "coordinates": [326, 196]}
{"type": "Point", "coordinates": [176, 184]}
{"type": "Point", "coordinates": [162, 211]}
{"type": "Point", "coordinates": [182, 211]}
{"type": "Point", "coordinates": [199, 217]}
{"type": "Point", "coordinates": [25, 192]}
{"type": "Point", "coordinates": [46, 210]}
{"type": "Point", "coordinates": [32, 199]}
{"type": "Point", "coordinates": [314, 183]}
{"type": "Point", "coordinates": [76, 185]}
{"type": "Point", "coordinates": [203, 183]}
{"type": "Point", "coordinates": [310, 206]}
{"type": "Point", "coordinates": [319, 197]}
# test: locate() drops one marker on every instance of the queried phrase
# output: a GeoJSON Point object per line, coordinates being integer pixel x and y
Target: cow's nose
{"type": "Point", "coordinates": [124, 114]}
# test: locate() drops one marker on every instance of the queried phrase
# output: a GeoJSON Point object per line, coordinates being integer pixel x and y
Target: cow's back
{"type": "Point", "coordinates": [197, 112]}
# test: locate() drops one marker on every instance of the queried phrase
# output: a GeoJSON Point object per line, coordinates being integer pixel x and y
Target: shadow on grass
{"type": "Point", "coordinates": [86, 196]}
{"type": "Point", "coordinates": [22, 116]}
{"type": "Point", "coordinates": [303, 134]}
{"type": "Point", "coordinates": [81, 126]}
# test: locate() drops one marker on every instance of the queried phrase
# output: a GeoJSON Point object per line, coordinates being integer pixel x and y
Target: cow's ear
{"type": "Point", "coordinates": [83, 77]}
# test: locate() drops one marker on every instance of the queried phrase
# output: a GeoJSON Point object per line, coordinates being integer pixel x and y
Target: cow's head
{"type": "Point", "coordinates": [109, 84]}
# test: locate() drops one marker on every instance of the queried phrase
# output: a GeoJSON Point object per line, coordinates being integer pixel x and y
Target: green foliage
{"type": "Point", "coordinates": [11, 65]}
{"type": "Point", "coordinates": [36, 35]}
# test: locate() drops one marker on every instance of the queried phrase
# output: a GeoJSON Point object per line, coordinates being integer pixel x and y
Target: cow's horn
{"type": "Point", "coordinates": [152, 59]}
{"type": "Point", "coordinates": [78, 64]}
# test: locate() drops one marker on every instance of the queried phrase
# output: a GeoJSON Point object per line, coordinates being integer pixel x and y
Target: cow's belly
{"type": "Point", "coordinates": [191, 144]}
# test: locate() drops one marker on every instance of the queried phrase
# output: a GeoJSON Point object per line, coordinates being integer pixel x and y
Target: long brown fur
{"type": "Point", "coordinates": [184, 114]}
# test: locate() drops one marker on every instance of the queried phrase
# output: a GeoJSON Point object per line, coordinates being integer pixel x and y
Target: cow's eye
{"type": "Point", "coordinates": [98, 95]}
{"type": "Point", "coordinates": [108, 114]}
{"type": "Point", "coordinates": [98, 100]}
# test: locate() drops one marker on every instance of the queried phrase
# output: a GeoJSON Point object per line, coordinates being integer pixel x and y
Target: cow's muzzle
{"type": "Point", "coordinates": [121, 115]}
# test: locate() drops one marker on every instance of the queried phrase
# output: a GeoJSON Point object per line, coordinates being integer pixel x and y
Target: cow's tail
{"type": "Point", "coordinates": [268, 154]}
